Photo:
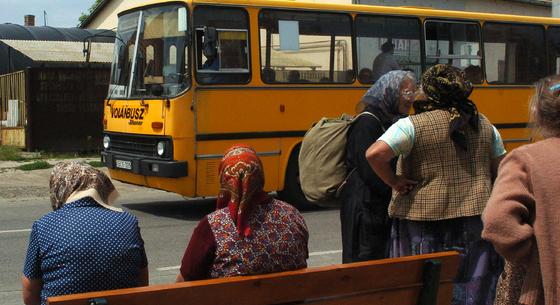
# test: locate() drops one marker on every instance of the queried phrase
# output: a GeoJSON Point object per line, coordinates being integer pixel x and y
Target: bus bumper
{"type": "Point", "coordinates": [145, 167]}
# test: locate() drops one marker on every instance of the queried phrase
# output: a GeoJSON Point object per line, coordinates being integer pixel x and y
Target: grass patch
{"type": "Point", "coordinates": [35, 165]}
{"type": "Point", "coordinates": [10, 153]}
{"type": "Point", "coordinates": [96, 163]}
{"type": "Point", "coordinates": [67, 155]}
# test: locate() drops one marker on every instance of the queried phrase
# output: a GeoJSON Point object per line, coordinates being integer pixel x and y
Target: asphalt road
{"type": "Point", "coordinates": [166, 220]}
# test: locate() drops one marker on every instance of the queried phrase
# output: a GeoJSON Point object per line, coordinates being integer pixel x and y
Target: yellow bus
{"type": "Point", "coordinates": [191, 78]}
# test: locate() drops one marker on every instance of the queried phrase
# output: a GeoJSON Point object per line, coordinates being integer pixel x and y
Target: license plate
{"type": "Point", "coordinates": [123, 164]}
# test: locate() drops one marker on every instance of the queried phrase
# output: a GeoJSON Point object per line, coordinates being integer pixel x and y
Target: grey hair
{"type": "Point", "coordinates": [544, 109]}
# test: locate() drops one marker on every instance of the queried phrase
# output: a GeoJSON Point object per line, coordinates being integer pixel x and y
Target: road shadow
{"type": "Point", "coordinates": [191, 209]}
{"type": "Point", "coordinates": [312, 208]}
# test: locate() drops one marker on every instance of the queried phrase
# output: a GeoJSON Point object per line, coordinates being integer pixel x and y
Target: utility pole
{"type": "Point", "coordinates": [45, 18]}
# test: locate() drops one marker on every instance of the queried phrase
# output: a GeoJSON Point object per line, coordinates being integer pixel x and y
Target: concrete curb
{"type": "Point", "coordinates": [12, 165]}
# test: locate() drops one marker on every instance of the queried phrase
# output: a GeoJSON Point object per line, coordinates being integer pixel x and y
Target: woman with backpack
{"type": "Point", "coordinates": [449, 156]}
{"type": "Point", "coordinates": [365, 197]}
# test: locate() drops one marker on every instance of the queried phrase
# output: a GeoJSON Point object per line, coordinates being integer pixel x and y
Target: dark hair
{"type": "Point", "coordinates": [387, 47]}
{"type": "Point", "coordinates": [294, 76]}
{"type": "Point", "coordinates": [269, 75]}
{"type": "Point", "coordinates": [364, 75]}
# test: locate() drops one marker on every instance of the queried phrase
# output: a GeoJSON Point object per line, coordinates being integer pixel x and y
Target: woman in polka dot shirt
{"type": "Point", "coordinates": [85, 244]}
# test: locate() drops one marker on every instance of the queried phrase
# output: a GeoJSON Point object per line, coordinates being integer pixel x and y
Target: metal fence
{"type": "Point", "coordinates": [58, 108]}
{"type": "Point", "coordinates": [65, 108]}
{"type": "Point", "coordinates": [12, 100]}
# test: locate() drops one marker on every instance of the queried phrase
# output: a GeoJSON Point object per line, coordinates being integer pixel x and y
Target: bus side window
{"type": "Point", "coordinates": [221, 45]}
{"type": "Point", "coordinates": [398, 36]}
{"type": "Point", "coordinates": [514, 53]}
{"type": "Point", "coordinates": [553, 39]}
{"type": "Point", "coordinates": [455, 43]}
{"type": "Point", "coordinates": [305, 47]}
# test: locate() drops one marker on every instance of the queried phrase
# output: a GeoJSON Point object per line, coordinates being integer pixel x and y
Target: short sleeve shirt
{"type": "Point", "coordinates": [382, 64]}
{"type": "Point", "coordinates": [400, 137]}
{"type": "Point", "coordinates": [84, 247]}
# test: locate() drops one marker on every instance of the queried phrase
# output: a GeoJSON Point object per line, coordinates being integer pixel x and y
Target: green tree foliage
{"type": "Point", "coordinates": [92, 8]}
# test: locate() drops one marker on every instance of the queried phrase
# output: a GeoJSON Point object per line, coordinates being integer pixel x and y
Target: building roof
{"type": "Point", "coordinates": [19, 32]}
{"type": "Point", "coordinates": [61, 51]}
{"type": "Point", "coordinates": [92, 15]}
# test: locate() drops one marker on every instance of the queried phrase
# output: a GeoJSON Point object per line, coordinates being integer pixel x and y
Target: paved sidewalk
{"type": "Point", "coordinates": [28, 185]}
{"type": "Point", "coordinates": [18, 186]}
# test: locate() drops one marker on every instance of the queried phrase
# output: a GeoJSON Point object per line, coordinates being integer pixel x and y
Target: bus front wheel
{"type": "Point", "coordinates": [292, 192]}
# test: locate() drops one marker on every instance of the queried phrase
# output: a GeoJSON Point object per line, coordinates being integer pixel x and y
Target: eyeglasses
{"type": "Point", "coordinates": [408, 94]}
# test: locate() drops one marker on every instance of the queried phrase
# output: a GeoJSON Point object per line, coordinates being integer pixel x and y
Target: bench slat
{"type": "Point", "coordinates": [406, 296]}
{"type": "Point", "coordinates": [382, 280]}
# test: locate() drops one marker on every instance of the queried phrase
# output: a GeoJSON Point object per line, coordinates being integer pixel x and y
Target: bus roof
{"type": "Point", "coordinates": [390, 10]}
{"type": "Point", "coordinates": [385, 10]}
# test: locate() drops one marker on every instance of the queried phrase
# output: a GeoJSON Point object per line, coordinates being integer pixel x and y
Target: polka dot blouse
{"type": "Point", "coordinates": [84, 247]}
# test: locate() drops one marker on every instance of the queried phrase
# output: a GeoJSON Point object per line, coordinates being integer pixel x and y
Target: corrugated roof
{"type": "Point", "coordinates": [61, 51]}
{"type": "Point", "coordinates": [19, 32]}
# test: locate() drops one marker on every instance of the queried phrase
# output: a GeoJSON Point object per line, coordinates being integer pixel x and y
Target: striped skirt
{"type": "Point", "coordinates": [480, 265]}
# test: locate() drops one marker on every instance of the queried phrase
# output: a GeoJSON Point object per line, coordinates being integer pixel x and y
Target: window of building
{"type": "Point", "coordinates": [514, 53]}
{"type": "Point", "coordinates": [172, 55]}
{"type": "Point", "coordinates": [305, 47]}
{"type": "Point", "coordinates": [457, 44]}
{"type": "Point", "coordinates": [222, 45]}
{"type": "Point", "coordinates": [131, 52]}
{"type": "Point", "coordinates": [386, 43]}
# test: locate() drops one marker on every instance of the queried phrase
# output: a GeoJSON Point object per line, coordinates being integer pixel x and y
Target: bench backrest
{"type": "Point", "coordinates": [414, 280]}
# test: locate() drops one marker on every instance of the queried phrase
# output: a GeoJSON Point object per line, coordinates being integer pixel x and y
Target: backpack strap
{"type": "Point", "coordinates": [372, 115]}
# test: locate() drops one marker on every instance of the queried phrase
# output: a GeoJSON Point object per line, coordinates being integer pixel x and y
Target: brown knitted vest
{"type": "Point", "coordinates": [451, 182]}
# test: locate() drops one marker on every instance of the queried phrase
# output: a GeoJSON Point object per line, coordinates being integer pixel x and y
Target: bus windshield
{"type": "Point", "coordinates": [151, 54]}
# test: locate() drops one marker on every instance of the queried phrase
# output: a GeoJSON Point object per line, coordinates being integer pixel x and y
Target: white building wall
{"type": "Point", "coordinates": [487, 6]}
{"type": "Point", "coordinates": [556, 8]}
{"type": "Point", "coordinates": [328, 1]}
{"type": "Point", "coordinates": [507, 7]}
{"type": "Point", "coordinates": [107, 18]}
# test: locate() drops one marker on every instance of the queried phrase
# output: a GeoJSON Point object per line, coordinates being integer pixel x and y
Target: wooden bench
{"type": "Point", "coordinates": [414, 280]}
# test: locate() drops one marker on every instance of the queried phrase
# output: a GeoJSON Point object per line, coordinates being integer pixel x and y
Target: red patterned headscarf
{"type": "Point", "coordinates": [241, 185]}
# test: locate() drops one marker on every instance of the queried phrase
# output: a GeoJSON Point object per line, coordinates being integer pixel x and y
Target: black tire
{"type": "Point", "coordinates": [292, 192]}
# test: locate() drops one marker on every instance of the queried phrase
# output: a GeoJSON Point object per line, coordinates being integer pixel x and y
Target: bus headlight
{"type": "Point", "coordinates": [160, 148]}
{"type": "Point", "coordinates": [106, 142]}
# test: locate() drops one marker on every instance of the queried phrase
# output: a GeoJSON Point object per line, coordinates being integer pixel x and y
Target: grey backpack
{"type": "Point", "coordinates": [322, 166]}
